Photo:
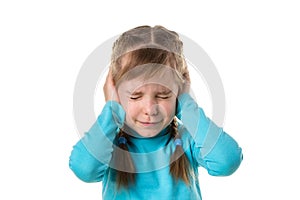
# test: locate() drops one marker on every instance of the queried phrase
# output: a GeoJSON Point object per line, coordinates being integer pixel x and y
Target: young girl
{"type": "Point", "coordinates": [151, 136]}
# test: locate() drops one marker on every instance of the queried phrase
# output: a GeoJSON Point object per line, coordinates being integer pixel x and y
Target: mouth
{"type": "Point", "coordinates": [148, 124]}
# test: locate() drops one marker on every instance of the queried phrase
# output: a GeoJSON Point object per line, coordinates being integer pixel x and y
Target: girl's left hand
{"type": "Point", "coordinates": [187, 83]}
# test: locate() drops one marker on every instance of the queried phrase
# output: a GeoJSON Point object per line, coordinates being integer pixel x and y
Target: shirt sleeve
{"type": "Point", "coordinates": [91, 155]}
{"type": "Point", "coordinates": [213, 148]}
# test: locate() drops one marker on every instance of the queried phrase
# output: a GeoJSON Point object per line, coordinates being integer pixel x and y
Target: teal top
{"type": "Point", "coordinates": [205, 145]}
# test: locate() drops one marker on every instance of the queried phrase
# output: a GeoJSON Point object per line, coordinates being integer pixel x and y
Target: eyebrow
{"type": "Point", "coordinates": [134, 93]}
{"type": "Point", "coordinates": [164, 92]}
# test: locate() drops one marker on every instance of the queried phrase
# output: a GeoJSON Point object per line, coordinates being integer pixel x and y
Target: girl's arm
{"type": "Point", "coordinates": [213, 148]}
{"type": "Point", "coordinates": [91, 155]}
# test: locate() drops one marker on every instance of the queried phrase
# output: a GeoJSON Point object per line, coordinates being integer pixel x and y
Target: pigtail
{"type": "Point", "coordinates": [122, 161]}
{"type": "Point", "coordinates": [179, 164]}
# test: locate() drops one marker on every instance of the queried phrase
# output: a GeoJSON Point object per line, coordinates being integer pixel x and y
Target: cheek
{"type": "Point", "coordinates": [169, 108]}
{"type": "Point", "coordinates": [124, 101]}
{"type": "Point", "coordinates": [130, 109]}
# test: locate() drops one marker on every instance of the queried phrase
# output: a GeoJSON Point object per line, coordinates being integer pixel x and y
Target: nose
{"type": "Point", "coordinates": [150, 107]}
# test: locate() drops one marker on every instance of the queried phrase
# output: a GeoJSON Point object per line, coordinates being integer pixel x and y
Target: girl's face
{"type": "Point", "coordinates": [149, 105]}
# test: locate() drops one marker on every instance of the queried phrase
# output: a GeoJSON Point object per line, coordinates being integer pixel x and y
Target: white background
{"type": "Point", "coordinates": [255, 46]}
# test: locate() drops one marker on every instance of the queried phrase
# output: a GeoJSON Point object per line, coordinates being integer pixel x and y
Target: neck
{"type": "Point", "coordinates": [131, 132]}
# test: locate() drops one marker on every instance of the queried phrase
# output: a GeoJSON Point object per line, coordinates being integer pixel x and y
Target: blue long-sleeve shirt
{"type": "Point", "coordinates": [204, 143]}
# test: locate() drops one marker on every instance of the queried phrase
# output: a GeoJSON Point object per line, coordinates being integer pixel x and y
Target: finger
{"type": "Point", "coordinates": [109, 75]}
{"type": "Point", "coordinates": [109, 88]}
{"type": "Point", "coordinates": [109, 82]}
{"type": "Point", "coordinates": [186, 75]}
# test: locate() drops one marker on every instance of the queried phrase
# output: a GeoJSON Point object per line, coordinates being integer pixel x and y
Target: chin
{"type": "Point", "coordinates": [140, 131]}
{"type": "Point", "coordinates": [148, 135]}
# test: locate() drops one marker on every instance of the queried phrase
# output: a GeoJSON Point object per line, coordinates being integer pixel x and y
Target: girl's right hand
{"type": "Point", "coordinates": [109, 89]}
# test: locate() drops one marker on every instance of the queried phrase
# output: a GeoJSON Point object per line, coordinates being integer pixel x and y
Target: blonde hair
{"type": "Point", "coordinates": [145, 44]}
{"type": "Point", "coordinates": [157, 46]}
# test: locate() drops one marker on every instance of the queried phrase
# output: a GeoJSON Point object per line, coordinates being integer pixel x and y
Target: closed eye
{"type": "Point", "coordinates": [164, 94]}
{"type": "Point", "coordinates": [163, 97]}
{"type": "Point", "coordinates": [135, 97]}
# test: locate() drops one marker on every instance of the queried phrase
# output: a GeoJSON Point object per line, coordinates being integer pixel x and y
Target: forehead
{"type": "Point", "coordinates": [137, 85]}
{"type": "Point", "coordinates": [150, 87]}
{"type": "Point", "coordinates": [157, 75]}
